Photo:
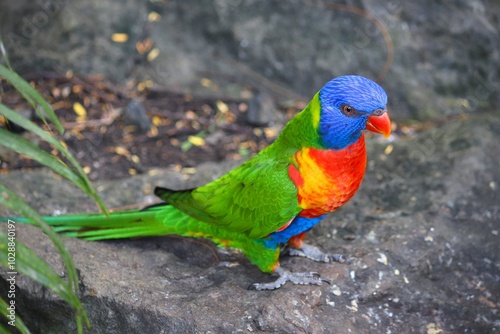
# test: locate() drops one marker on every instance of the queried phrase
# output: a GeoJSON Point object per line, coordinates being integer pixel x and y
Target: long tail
{"type": "Point", "coordinates": [152, 221]}
{"type": "Point", "coordinates": [157, 221]}
{"type": "Point", "coordinates": [123, 224]}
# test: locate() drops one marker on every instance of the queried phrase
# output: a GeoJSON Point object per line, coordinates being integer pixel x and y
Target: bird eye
{"type": "Point", "coordinates": [348, 110]}
{"type": "Point", "coordinates": [378, 112]}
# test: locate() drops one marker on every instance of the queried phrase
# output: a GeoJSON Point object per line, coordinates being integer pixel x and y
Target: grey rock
{"type": "Point", "coordinates": [422, 233]}
{"type": "Point", "coordinates": [261, 109]}
{"type": "Point", "coordinates": [135, 114]}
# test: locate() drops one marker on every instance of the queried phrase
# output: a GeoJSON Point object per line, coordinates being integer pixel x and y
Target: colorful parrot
{"type": "Point", "coordinates": [266, 206]}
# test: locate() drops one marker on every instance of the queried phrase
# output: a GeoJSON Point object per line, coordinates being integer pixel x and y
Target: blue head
{"type": "Point", "coordinates": [349, 105]}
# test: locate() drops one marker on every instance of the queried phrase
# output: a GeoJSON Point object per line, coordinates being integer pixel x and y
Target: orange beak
{"type": "Point", "coordinates": [379, 124]}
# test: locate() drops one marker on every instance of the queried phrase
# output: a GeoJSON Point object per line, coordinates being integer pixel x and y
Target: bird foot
{"type": "Point", "coordinates": [314, 253]}
{"type": "Point", "coordinates": [306, 278]}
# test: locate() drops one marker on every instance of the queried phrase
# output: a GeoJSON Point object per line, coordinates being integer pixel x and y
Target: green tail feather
{"type": "Point", "coordinates": [97, 226]}
{"type": "Point", "coordinates": [158, 221]}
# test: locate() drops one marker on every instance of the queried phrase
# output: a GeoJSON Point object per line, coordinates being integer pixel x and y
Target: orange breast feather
{"type": "Point", "coordinates": [327, 179]}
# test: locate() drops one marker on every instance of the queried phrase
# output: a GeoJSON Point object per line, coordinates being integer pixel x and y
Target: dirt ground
{"type": "Point", "coordinates": [113, 137]}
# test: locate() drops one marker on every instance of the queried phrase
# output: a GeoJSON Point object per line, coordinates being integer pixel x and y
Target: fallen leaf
{"type": "Point", "coordinates": [141, 86]}
{"type": "Point", "coordinates": [222, 107]}
{"type": "Point", "coordinates": [154, 17]}
{"type": "Point", "coordinates": [79, 109]}
{"type": "Point", "coordinates": [205, 82]}
{"type": "Point", "coordinates": [388, 149]}
{"type": "Point", "coordinates": [144, 46]}
{"type": "Point", "coordinates": [120, 150]}
{"type": "Point", "coordinates": [77, 89]}
{"type": "Point", "coordinates": [119, 37]}
{"type": "Point", "coordinates": [153, 131]}
{"type": "Point", "coordinates": [135, 159]}
{"type": "Point", "coordinates": [156, 120]}
{"type": "Point", "coordinates": [153, 54]}
{"type": "Point", "coordinates": [196, 141]}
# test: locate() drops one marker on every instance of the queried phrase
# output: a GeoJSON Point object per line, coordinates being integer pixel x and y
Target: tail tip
{"type": "Point", "coordinates": [159, 191]}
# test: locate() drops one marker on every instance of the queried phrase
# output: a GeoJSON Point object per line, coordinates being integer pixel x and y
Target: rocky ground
{"type": "Point", "coordinates": [422, 232]}
{"type": "Point", "coordinates": [118, 131]}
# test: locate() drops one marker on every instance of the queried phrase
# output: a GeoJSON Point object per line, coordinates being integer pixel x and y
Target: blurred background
{"type": "Point", "coordinates": [444, 55]}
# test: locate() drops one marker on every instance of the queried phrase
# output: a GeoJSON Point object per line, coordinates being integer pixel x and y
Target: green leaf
{"type": "Point", "coordinates": [3, 51]}
{"type": "Point", "coordinates": [29, 264]}
{"type": "Point", "coordinates": [20, 326]}
{"type": "Point", "coordinates": [185, 146]}
{"type": "Point", "coordinates": [39, 271]}
{"type": "Point", "coordinates": [31, 95]}
{"type": "Point", "coordinates": [22, 121]}
{"type": "Point", "coordinates": [22, 146]}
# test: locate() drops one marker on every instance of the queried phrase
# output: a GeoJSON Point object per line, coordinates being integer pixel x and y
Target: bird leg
{"type": "Point", "coordinates": [313, 253]}
{"type": "Point", "coordinates": [305, 278]}
{"type": "Point", "coordinates": [297, 247]}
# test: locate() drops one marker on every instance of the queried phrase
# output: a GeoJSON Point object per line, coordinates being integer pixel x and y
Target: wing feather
{"type": "Point", "coordinates": [256, 198]}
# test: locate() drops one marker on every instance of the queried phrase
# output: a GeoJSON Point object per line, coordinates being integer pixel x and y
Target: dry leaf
{"type": "Point", "coordinates": [120, 150]}
{"type": "Point", "coordinates": [156, 120]}
{"type": "Point", "coordinates": [153, 131]}
{"type": "Point", "coordinates": [153, 54]}
{"type": "Point", "coordinates": [388, 149]}
{"type": "Point", "coordinates": [144, 46]}
{"type": "Point", "coordinates": [222, 107]}
{"type": "Point", "coordinates": [119, 37]}
{"type": "Point", "coordinates": [196, 141]}
{"type": "Point", "coordinates": [154, 17]}
{"type": "Point", "coordinates": [205, 82]}
{"type": "Point", "coordinates": [141, 86]}
{"type": "Point", "coordinates": [79, 109]}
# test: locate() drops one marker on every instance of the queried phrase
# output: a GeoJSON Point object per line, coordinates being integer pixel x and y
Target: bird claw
{"type": "Point", "coordinates": [305, 278]}
{"type": "Point", "coordinates": [308, 251]}
{"type": "Point", "coordinates": [315, 254]}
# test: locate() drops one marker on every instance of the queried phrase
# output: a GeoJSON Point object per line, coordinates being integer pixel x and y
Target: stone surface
{"type": "Point", "coordinates": [422, 231]}
{"type": "Point", "coordinates": [446, 54]}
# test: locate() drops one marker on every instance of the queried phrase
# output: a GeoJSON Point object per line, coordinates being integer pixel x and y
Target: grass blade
{"type": "Point", "coordinates": [20, 326]}
{"type": "Point", "coordinates": [22, 146]}
{"type": "Point", "coordinates": [30, 265]}
{"type": "Point", "coordinates": [3, 52]}
{"type": "Point", "coordinates": [31, 95]}
{"type": "Point", "coordinates": [14, 202]}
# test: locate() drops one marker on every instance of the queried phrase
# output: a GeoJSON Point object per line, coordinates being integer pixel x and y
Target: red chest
{"type": "Point", "coordinates": [327, 179]}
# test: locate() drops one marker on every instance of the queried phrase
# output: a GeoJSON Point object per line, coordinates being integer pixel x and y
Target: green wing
{"type": "Point", "coordinates": [256, 198]}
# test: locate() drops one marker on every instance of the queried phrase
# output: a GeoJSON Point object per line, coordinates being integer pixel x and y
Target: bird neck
{"type": "Point", "coordinates": [302, 130]}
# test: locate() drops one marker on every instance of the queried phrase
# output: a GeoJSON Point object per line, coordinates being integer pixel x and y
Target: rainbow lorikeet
{"type": "Point", "coordinates": [269, 203]}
